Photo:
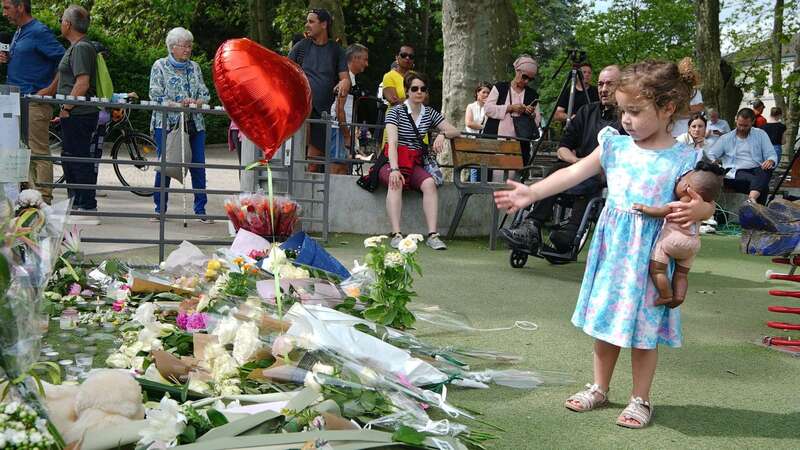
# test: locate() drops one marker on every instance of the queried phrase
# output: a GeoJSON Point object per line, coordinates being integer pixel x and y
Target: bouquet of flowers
{"type": "Point", "coordinates": [256, 213]}
{"type": "Point", "coordinates": [22, 428]}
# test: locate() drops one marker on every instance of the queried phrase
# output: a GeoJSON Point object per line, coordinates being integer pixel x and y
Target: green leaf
{"type": "Point", "coordinates": [408, 435]}
{"type": "Point", "coordinates": [375, 313]}
{"type": "Point", "coordinates": [170, 296]}
{"type": "Point", "coordinates": [5, 275]}
{"type": "Point", "coordinates": [188, 436]}
{"type": "Point", "coordinates": [216, 418]}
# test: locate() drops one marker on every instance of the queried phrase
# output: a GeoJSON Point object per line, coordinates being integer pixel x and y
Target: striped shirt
{"type": "Point", "coordinates": [399, 116]}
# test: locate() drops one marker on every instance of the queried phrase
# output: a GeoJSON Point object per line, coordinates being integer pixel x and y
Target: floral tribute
{"type": "Point", "coordinates": [255, 213]}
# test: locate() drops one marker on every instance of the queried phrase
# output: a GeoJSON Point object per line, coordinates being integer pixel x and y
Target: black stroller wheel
{"type": "Point", "coordinates": [517, 259]}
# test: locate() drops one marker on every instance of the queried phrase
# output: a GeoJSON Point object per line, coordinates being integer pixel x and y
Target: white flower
{"type": "Point", "coordinates": [226, 330]}
{"type": "Point", "coordinates": [290, 272]}
{"type": "Point", "coordinates": [219, 286]}
{"type": "Point", "coordinates": [322, 368]}
{"type": "Point", "coordinates": [163, 425]}
{"type": "Point", "coordinates": [11, 408]}
{"type": "Point", "coordinates": [29, 198]}
{"type": "Point", "coordinates": [282, 345]}
{"type": "Point", "coordinates": [393, 259]}
{"type": "Point", "coordinates": [310, 381]}
{"type": "Point", "coordinates": [145, 314]}
{"type": "Point", "coordinates": [374, 241]}
{"type": "Point", "coordinates": [407, 245]}
{"type": "Point", "coordinates": [148, 337]}
{"type": "Point", "coordinates": [416, 237]}
{"type": "Point", "coordinates": [224, 367]}
{"type": "Point", "coordinates": [201, 387]}
{"type": "Point", "coordinates": [137, 364]}
{"type": "Point", "coordinates": [203, 303]}
{"type": "Point", "coordinates": [36, 437]}
{"type": "Point", "coordinates": [118, 361]}
{"type": "Point", "coordinates": [276, 258]}
{"type": "Point", "coordinates": [246, 343]}
{"type": "Point", "coordinates": [228, 387]}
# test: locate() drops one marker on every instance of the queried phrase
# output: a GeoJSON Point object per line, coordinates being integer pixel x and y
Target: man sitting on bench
{"type": "Point", "coordinates": [748, 155]}
{"type": "Point", "coordinates": [578, 141]}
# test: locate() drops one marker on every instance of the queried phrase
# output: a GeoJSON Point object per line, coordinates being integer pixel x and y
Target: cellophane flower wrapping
{"type": "Point", "coordinates": [251, 211]}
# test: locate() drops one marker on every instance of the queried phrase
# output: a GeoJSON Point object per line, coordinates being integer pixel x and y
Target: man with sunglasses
{"type": "Point", "coordinates": [393, 90]}
{"type": "Point", "coordinates": [325, 65]}
{"type": "Point", "coordinates": [32, 60]}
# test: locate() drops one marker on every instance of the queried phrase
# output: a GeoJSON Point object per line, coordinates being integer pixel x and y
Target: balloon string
{"type": "Point", "coordinates": [521, 324]}
{"type": "Point", "coordinates": [278, 297]}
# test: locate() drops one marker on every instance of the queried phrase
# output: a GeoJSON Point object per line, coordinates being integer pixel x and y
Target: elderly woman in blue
{"type": "Point", "coordinates": [178, 81]}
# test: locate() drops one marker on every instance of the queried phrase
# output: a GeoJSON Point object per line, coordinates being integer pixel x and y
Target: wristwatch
{"type": "Point", "coordinates": [394, 169]}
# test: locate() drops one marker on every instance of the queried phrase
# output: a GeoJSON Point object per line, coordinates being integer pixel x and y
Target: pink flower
{"type": "Point", "coordinates": [257, 254]}
{"type": "Point", "coordinates": [118, 305]}
{"type": "Point", "coordinates": [197, 322]}
{"type": "Point", "coordinates": [182, 320]}
{"type": "Point", "coordinates": [124, 287]}
{"type": "Point", "coordinates": [74, 289]}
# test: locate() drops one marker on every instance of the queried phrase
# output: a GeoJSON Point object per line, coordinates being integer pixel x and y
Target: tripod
{"type": "Point", "coordinates": [573, 79]}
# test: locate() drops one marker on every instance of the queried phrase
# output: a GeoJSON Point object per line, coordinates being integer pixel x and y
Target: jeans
{"type": "Point", "coordinates": [197, 141]}
{"type": "Point", "coordinates": [78, 133]}
{"type": "Point", "coordinates": [755, 179]}
{"type": "Point", "coordinates": [778, 151]}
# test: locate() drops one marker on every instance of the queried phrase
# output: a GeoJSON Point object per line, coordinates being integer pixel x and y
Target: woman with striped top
{"type": "Point", "coordinates": [405, 149]}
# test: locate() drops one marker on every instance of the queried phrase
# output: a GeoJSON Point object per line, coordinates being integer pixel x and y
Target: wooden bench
{"type": "Point", "coordinates": [488, 155]}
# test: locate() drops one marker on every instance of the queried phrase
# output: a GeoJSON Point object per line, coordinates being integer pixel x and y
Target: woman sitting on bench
{"type": "Point", "coordinates": [406, 123]}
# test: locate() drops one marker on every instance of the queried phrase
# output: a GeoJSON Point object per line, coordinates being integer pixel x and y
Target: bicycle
{"type": "Point", "coordinates": [130, 145]}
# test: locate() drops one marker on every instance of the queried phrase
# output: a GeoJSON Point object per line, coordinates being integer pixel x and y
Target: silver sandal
{"type": "Point", "coordinates": [587, 399]}
{"type": "Point", "coordinates": [638, 410]}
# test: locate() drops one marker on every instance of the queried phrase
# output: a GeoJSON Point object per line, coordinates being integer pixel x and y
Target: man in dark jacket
{"type": "Point", "coordinates": [577, 142]}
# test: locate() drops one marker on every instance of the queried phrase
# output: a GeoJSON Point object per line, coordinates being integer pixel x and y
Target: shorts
{"type": "Point", "coordinates": [678, 246]}
{"type": "Point", "coordinates": [337, 149]}
{"type": "Point", "coordinates": [413, 181]}
{"type": "Point", "coordinates": [316, 131]}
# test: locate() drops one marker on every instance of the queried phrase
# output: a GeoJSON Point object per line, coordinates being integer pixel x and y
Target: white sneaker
{"type": "Point", "coordinates": [711, 222]}
{"type": "Point", "coordinates": [435, 242]}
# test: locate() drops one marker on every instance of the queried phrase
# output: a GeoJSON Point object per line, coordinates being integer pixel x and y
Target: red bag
{"type": "Point", "coordinates": [407, 158]}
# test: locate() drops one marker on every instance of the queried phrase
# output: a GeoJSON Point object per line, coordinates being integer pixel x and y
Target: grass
{"type": "Point", "coordinates": [719, 391]}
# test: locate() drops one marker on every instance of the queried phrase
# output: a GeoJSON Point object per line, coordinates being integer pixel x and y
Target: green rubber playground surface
{"type": "Point", "coordinates": [720, 390]}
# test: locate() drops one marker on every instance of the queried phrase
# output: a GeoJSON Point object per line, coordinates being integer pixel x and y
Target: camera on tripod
{"type": "Point", "coordinates": [576, 56]}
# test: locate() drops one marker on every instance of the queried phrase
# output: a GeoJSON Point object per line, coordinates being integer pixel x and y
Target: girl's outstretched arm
{"type": "Point", "coordinates": [696, 210]}
{"type": "Point", "coordinates": [519, 195]}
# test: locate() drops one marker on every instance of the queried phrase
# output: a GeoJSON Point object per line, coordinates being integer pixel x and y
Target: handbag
{"type": "Point", "coordinates": [371, 180]}
{"type": "Point", "coordinates": [525, 127]}
{"type": "Point", "coordinates": [429, 162]}
{"type": "Point", "coordinates": [178, 151]}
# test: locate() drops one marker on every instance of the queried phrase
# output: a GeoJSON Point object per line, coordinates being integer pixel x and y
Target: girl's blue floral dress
{"type": "Point", "coordinates": [615, 303]}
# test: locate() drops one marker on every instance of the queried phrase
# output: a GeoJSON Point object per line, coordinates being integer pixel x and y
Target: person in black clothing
{"type": "Point", "coordinates": [775, 130]}
{"type": "Point", "coordinates": [583, 86]}
{"type": "Point", "coordinates": [578, 141]}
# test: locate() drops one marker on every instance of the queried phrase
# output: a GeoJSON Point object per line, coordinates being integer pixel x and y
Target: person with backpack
{"type": "Point", "coordinates": [32, 59]}
{"type": "Point", "coordinates": [325, 65]}
{"type": "Point", "coordinates": [77, 77]}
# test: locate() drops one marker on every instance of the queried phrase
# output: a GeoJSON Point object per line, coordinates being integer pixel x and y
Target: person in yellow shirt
{"type": "Point", "coordinates": [393, 90]}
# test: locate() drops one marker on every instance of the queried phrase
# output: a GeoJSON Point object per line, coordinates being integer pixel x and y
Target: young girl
{"type": "Point", "coordinates": [616, 302]}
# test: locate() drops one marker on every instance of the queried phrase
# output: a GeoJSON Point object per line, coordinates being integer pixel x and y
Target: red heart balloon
{"type": "Point", "coordinates": [266, 94]}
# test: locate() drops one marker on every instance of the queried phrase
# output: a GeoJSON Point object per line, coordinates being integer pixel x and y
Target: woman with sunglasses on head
{"type": "Point", "coordinates": [512, 107]}
{"type": "Point", "coordinates": [405, 151]}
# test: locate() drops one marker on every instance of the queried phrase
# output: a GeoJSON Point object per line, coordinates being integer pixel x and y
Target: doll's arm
{"type": "Point", "coordinates": [653, 211]}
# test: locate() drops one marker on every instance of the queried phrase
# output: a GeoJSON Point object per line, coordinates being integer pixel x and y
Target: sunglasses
{"type": "Point", "coordinates": [407, 55]}
{"type": "Point", "coordinates": [525, 77]}
{"type": "Point", "coordinates": [418, 88]}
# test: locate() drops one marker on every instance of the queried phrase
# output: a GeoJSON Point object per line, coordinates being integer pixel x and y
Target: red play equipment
{"type": "Point", "coordinates": [786, 343]}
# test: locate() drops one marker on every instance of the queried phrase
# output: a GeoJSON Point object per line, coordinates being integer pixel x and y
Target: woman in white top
{"type": "Point", "coordinates": [475, 117]}
{"type": "Point", "coordinates": [696, 136]}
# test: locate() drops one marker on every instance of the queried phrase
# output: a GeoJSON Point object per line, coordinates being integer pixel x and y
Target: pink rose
{"type": "Point", "coordinates": [74, 289]}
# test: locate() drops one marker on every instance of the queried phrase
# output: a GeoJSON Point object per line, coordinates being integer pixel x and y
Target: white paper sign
{"type": "Point", "coordinates": [14, 165]}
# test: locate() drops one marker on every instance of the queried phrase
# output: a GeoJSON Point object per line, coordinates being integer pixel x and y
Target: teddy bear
{"type": "Point", "coordinates": [107, 397]}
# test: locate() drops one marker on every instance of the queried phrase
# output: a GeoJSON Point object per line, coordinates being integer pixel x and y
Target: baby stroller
{"type": "Point", "coordinates": [557, 247]}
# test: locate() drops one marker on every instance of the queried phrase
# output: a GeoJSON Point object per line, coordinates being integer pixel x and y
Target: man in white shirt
{"type": "Point", "coordinates": [716, 127]}
{"type": "Point", "coordinates": [357, 57]}
{"type": "Point", "coordinates": [748, 155]}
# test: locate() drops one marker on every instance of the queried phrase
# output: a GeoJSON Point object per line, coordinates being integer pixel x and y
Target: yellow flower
{"type": "Point", "coordinates": [238, 260]}
{"type": "Point", "coordinates": [246, 267]}
{"type": "Point", "coordinates": [214, 264]}
{"type": "Point", "coordinates": [211, 274]}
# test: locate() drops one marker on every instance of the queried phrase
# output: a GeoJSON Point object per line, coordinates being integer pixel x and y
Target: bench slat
{"type": "Point", "coordinates": [498, 162]}
{"type": "Point", "coordinates": [486, 146]}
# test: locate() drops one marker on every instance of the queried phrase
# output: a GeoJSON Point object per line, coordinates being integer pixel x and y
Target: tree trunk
{"type": "Point", "coordinates": [777, 56]}
{"type": "Point", "coordinates": [707, 52]}
{"type": "Point", "coordinates": [261, 30]}
{"type": "Point", "coordinates": [426, 34]}
{"type": "Point", "coordinates": [335, 8]}
{"type": "Point", "coordinates": [794, 101]}
{"type": "Point", "coordinates": [476, 35]}
{"type": "Point", "coordinates": [731, 95]}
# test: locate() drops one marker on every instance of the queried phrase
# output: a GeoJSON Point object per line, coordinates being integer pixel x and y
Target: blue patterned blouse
{"type": "Point", "coordinates": [169, 83]}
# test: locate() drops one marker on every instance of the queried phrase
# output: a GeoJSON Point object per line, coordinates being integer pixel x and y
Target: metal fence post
{"type": "Point", "coordinates": [162, 191]}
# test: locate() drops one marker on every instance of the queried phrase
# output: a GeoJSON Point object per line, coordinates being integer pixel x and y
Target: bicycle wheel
{"type": "Point", "coordinates": [135, 147]}
{"type": "Point", "coordinates": [54, 143]}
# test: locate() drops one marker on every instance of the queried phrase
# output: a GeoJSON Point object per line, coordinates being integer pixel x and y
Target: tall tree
{"type": "Point", "coordinates": [476, 35]}
{"type": "Point", "coordinates": [794, 98]}
{"type": "Point", "coordinates": [776, 55]}
{"type": "Point", "coordinates": [707, 52]}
